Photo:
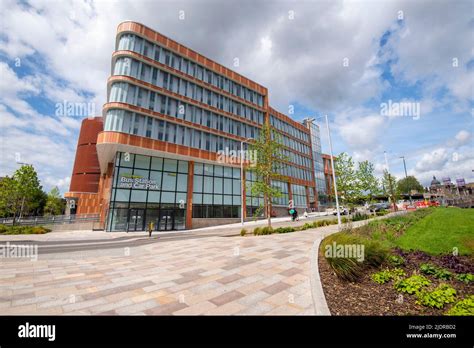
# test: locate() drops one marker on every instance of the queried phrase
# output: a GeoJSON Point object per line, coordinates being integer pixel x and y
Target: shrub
{"type": "Point", "coordinates": [428, 268]}
{"type": "Point", "coordinates": [465, 277]}
{"type": "Point", "coordinates": [284, 229]}
{"type": "Point", "coordinates": [243, 232]}
{"type": "Point", "coordinates": [306, 226]}
{"type": "Point", "coordinates": [375, 253]}
{"type": "Point", "coordinates": [360, 216]}
{"type": "Point", "coordinates": [349, 268]}
{"type": "Point", "coordinates": [396, 260]}
{"type": "Point", "coordinates": [463, 307]}
{"type": "Point", "coordinates": [437, 298]}
{"type": "Point", "coordinates": [385, 276]}
{"type": "Point", "coordinates": [266, 230]}
{"type": "Point", "coordinates": [412, 284]}
{"type": "Point", "coordinates": [23, 230]}
{"type": "Point", "coordinates": [443, 274]}
{"type": "Point", "coordinates": [256, 231]}
{"type": "Point", "coordinates": [440, 273]}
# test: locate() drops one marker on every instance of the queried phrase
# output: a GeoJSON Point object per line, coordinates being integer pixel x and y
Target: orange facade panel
{"type": "Point", "coordinates": [86, 171]}
{"type": "Point", "coordinates": [153, 144]}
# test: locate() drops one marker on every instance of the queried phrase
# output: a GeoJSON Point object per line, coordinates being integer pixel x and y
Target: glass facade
{"type": "Point", "coordinates": [216, 191]}
{"type": "Point", "coordinates": [318, 165]}
{"type": "Point", "coordinates": [299, 196]}
{"type": "Point", "coordinates": [147, 189]}
{"type": "Point", "coordinates": [179, 85]}
{"type": "Point", "coordinates": [153, 189]}
{"type": "Point", "coordinates": [253, 202]}
{"type": "Point", "coordinates": [164, 56]}
{"type": "Point", "coordinates": [154, 128]}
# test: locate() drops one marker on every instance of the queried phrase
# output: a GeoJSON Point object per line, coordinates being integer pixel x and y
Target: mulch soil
{"type": "Point", "coordinates": [365, 297]}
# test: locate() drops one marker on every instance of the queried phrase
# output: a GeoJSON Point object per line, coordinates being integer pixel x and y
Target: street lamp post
{"type": "Point", "coordinates": [406, 177]}
{"type": "Point", "coordinates": [390, 182]}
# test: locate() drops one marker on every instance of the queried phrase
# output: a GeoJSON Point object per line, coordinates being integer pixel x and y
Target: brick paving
{"type": "Point", "coordinates": [212, 275]}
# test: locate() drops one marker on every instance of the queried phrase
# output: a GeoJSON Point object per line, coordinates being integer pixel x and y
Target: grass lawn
{"type": "Point", "coordinates": [440, 232]}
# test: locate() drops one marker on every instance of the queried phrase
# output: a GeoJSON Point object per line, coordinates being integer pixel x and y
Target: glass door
{"type": "Point", "coordinates": [136, 220]}
{"type": "Point", "coordinates": [166, 220]}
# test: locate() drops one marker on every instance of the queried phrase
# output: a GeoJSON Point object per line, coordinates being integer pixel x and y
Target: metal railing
{"type": "Point", "coordinates": [51, 220]}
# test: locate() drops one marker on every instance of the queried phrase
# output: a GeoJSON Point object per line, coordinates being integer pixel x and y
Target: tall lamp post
{"type": "Point", "coordinates": [406, 177]}
{"type": "Point", "coordinates": [390, 182]}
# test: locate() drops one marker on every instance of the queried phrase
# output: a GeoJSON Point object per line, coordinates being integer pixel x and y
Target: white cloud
{"type": "Point", "coordinates": [434, 160]}
{"type": "Point", "coordinates": [463, 137]}
{"type": "Point", "coordinates": [67, 47]}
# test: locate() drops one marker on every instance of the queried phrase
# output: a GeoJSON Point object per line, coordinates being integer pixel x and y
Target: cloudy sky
{"type": "Point", "coordinates": [346, 59]}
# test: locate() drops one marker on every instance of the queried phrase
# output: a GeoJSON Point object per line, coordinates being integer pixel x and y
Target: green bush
{"type": "Point", "coordinates": [349, 268]}
{"type": "Point", "coordinates": [385, 276]}
{"type": "Point", "coordinates": [396, 260]}
{"type": "Point", "coordinates": [412, 284]}
{"type": "Point", "coordinates": [465, 277]}
{"type": "Point", "coordinates": [360, 216]}
{"type": "Point", "coordinates": [243, 232]}
{"type": "Point", "coordinates": [443, 274]}
{"type": "Point", "coordinates": [382, 212]}
{"type": "Point", "coordinates": [256, 231]}
{"type": "Point", "coordinates": [437, 298]}
{"type": "Point", "coordinates": [375, 253]}
{"type": "Point", "coordinates": [306, 226]}
{"type": "Point", "coordinates": [23, 229]}
{"type": "Point", "coordinates": [428, 268]}
{"type": "Point", "coordinates": [463, 307]}
{"type": "Point", "coordinates": [440, 273]}
{"type": "Point", "coordinates": [285, 229]}
{"type": "Point", "coordinates": [266, 230]}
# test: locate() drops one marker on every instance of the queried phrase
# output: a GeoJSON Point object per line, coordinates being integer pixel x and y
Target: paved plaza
{"type": "Point", "coordinates": [198, 274]}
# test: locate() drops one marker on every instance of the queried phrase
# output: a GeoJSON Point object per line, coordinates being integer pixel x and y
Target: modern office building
{"type": "Point", "coordinates": [170, 124]}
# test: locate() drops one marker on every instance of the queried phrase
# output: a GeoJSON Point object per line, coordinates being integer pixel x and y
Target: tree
{"type": "Point", "coordinates": [19, 194]}
{"type": "Point", "coordinates": [269, 158]}
{"type": "Point", "coordinates": [54, 203]}
{"type": "Point", "coordinates": [406, 185]}
{"type": "Point", "coordinates": [9, 197]}
{"type": "Point", "coordinates": [367, 183]}
{"type": "Point", "coordinates": [346, 178]}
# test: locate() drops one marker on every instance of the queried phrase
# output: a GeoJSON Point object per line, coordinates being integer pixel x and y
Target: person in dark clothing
{"type": "Point", "coordinates": [295, 216]}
